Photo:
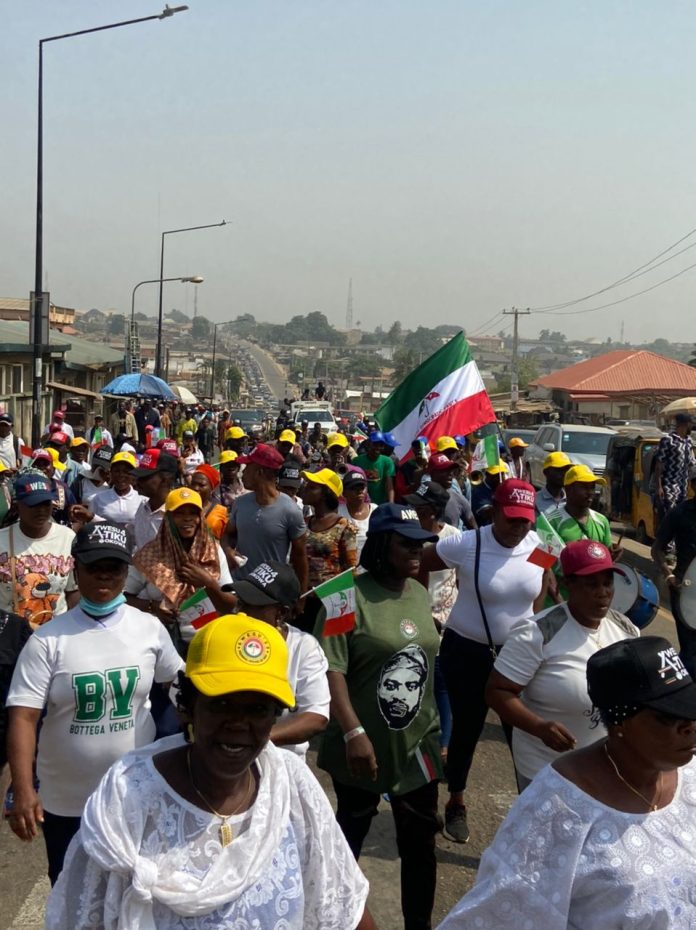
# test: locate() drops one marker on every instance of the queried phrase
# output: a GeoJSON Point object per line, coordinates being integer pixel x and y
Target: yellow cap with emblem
{"type": "Point", "coordinates": [182, 496]}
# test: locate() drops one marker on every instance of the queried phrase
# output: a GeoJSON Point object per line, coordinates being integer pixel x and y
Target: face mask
{"type": "Point", "coordinates": [102, 610]}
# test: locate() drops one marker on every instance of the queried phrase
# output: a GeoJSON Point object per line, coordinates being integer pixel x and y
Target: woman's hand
{"type": "Point", "coordinates": [360, 755]}
{"type": "Point", "coordinates": [27, 813]}
{"type": "Point", "coordinates": [555, 736]}
{"type": "Point", "coordinates": [195, 575]}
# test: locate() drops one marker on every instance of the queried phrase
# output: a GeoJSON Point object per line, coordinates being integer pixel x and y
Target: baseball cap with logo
{"type": "Point", "coordinates": [353, 478]}
{"type": "Point", "coordinates": [395, 518]}
{"type": "Point", "coordinates": [237, 653]}
{"type": "Point", "coordinates": [96, 541]}
{"type": "Point", "coordinates": [169, 446]}
{"type": "Point", "coordinates": [376, 436]}
{"type": "Point", "coordinates": [33, 489]}
{"type": "Point", "coordinates": [290, 475]}
{"type": "Point", "coordinates": [127, 457]}
{"type": "Point", "coordinates": [59, 437]}
{"type": "Point", "coordinates": [440, 462]}
{"type": "Point", "coordinates": [556, 460]}
{"type": "Point", "coordinates": [227, 455]}
{"type": "Point", "coordinates": [78, 441]}
{"type": "Point", "coordinates": [264, 456]}
{"type": "Point", "coordinates": [287, 436]}
{"type": "Point", "coordinates": [429, 493]}
{"type": "Point", "coordinates": [153, 461]}
{"type": "Point", "coordinates": [516, 499]}
{"type": "Point", "coordinates": [235, 432]}
{"type": "Point", "coordinates": [641, 672]}
{"type": "Point", "coordinates": [49, 455]}
{"type": "Point", "coordinates": [269, 583]}
{"type": "Point", "coordinates": [583, 474]}
{"type": "Point", "coordinates": [587, 557]}
{"type": "Point", "coordinates": [326, 477]}
{"type": "Point", "coordinates": [444, 443]}
{"type": "Point", "coordinates": [7, 418]}
{"type": "Point", "coordinates": [336, 439]}
{"type": "Point", "coordinates": [181, 496]}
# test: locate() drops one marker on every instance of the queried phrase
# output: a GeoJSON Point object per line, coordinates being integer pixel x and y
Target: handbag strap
{"type": "Point", "coordinates": [13, 572]}
{"type": "Point", "coordinates": [477, 565]}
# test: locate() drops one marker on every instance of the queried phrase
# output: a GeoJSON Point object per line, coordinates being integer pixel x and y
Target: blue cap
{"type": "Point", "coordinates": [376, 436]}
{"type": "Point", "coordinates": [460, 440]}
{"type": "Point", "coordinates": [395, 518]}
{"type": "Point", "coordinates": [391, 441]}
{"type": "Point", "coordinates": [33, 489]}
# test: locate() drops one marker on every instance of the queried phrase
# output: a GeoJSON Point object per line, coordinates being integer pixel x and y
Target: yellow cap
{"type": "Point", "coordinates": [78, 441]}
{"type": "Point", "coordinates": [227, 455]}
{"type": "Point", "coordinates": [499, 469]}
{"type": "Point", "coordinates": [336, 439]}
{"type": "Point", "coordinates": [444, 443]}
{"type": "Point", "coordinates": [517, 442]}
{"type": "Point", "coordinates": [235, 432]}
{"type": "Point", "coordinates": [126, 457]}
{"type": "Point", "coordinates": [581, 473]}
{"type": "Point", "coordinates": [287, 436]}
{"type": "Point", "coordinates": [57, 464]}
{"type": "Point", "coordinates": [3, 467]}
{"type": "Point", "coordinates": [237, 653]}
{"type": "Point", "coordinates": [557, 460]}
{"type": "Point", "coordinates": [326, 477]}
{"type": "Point", "coordinates": [181, 496]}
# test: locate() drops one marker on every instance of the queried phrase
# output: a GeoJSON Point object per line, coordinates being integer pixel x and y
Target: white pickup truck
{"type": "Point", "coordinates": [314, 411]}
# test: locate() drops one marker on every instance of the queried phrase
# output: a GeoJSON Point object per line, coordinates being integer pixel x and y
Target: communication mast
{"type": "Point", "coordinates": [349, 305]}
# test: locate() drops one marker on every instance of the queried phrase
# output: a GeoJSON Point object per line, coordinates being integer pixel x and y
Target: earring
{"type": "Point", "coordinates": [191, 737]}
{"type": "Point", "coordinates": [619, 733]}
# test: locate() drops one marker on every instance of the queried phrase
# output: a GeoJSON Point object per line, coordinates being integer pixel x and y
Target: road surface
{"type": "Point", "coordinates": [273, 372]}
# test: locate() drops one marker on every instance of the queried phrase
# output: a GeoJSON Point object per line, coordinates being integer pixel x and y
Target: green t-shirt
{"type": "Point", "coordinates": [377, 471]}
{"type": "Point", "coordinates": [388, 660]}
{"type": "Point", "coordinates": [596, 526]}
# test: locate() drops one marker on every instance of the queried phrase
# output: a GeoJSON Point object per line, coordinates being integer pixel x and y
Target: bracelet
{"type": "Point", "coordinates": [351, 734]}
{"type": "Point", "coordinates": [671, 575]}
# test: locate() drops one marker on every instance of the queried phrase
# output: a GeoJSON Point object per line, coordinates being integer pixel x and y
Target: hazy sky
{"type": "Point", "coordinates": [452, 157]}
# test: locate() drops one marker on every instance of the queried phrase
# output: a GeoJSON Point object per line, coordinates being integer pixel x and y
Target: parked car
{"type": "Point", "coordinates": [584, 445]}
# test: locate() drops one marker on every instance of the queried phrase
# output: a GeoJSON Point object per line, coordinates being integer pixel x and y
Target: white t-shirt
{"type": "Point", "coordinates": [138, 585]}
{"type": "Point", "coordinates": [362, 525]}
{"type": "Point", "coordinates": [508, 583]}
{"type": "Point", "coordinates": [548, 655]}
{"type": "Point", "coordinates": [192, 461]}
{"type": "Point", "coordinates": [90, 490]}
{"type": "Point", "coordinates": [8, 458]}
{"type": "Point", "coordinates": [43, 571]}
{"type": "Point", "coordinates": [117, 508]}
{"type": "Point", "coordinates": [146, 524]}
{"type": "Point", "coordinates": [94, 677]}
{"type": "Point", "coordinates": [442, 585]}
{"type": "Point", "coordinates": [307, 668]}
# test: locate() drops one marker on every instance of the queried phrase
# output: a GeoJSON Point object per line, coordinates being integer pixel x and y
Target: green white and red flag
{"type": "Point", "coordinates": [338, 597]}
{"type": "Point", "coordinates": [444, 396]}
{"type": "Point", "coordinates": [551, 546]}
{"type": "Point", "coordinates": [197, 610]}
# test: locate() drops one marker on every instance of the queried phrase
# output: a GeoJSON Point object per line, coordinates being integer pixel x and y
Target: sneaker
{"type": "Point", "coordinates": [456, 826]}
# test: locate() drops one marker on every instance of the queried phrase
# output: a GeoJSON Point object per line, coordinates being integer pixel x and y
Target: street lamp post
{"type": "Point", "coordinates": [212, 369]}
{"type": "Point", "coordinates": [132, 337]}
{"type": "Point", "coordinates": [169, 232]}
{"type": "Point", "coordinates": [38, 298]}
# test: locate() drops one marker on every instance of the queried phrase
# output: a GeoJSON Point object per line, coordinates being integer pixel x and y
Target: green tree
{"type": "Point", "coordinates": [404, 361]}
{"type": "Point", "coordinates": [526, 371]}
{"type": "Point", "coordinates": [117, 324]}
{"type": "Point", "coordinates": [177, 316]}
{"type": "Point", "coordinates": [200, 327]}
{"type": "Point", "coordinates": [234, 382]}
{"type": "Point", "coordinates": [395, 333]}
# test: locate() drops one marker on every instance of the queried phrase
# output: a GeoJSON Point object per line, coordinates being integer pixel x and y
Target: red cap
{"type": "Point", "coordinates": [155, 460]}
{"type": "Point", "coordinates": [516, 499]}
{"type": "Point", "coordinates": [264, 456]}
{"type": "Point", "coordinates": [169, 446]}
{"type": "Point", "coordinates": [587, 557]}
{"type": "Point", "coordinates": [212, 474]}
{"type": "Point", "coordinates": [59, 436]}
{"type": "Point", "coordinates": [440, 462]}
{"type": "Point", "coordinates": [58, 415]}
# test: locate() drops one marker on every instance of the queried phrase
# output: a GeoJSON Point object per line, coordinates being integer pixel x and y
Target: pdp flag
{"type": "Point", "coordinates": [551, 546]}
{"type": "Point", "coordinates": [197, 610]}
{"type": "Point", "coordinates": [338, 597]}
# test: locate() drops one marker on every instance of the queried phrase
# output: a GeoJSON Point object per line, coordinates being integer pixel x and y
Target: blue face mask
{"type": "Point", "coordinates": [102, 610]}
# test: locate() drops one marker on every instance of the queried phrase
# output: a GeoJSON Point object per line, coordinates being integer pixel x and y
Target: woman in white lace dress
{"type": "Point", "coordinates": [605, 837]}
{"type": "Point", "coordinates": [218, 830]}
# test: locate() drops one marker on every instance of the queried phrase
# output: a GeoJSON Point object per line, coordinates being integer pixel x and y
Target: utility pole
{"type": "Point", "coordinates": [514, 381]}
{"type": "Point", "coordinates": [349, 306]}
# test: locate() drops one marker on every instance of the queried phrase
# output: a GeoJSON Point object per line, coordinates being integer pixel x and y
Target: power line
{"type": "Point", "coordinates": [637, 272]}
{"type": "Point", "coordinates": [480, 329]}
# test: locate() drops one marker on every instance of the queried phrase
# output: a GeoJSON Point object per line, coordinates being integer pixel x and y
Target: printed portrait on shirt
{"type": "Point", "coordinates": [401, 686]}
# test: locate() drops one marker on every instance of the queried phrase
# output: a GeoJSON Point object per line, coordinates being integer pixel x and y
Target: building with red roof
{"type": "Point", "coordinates": [627, 384]}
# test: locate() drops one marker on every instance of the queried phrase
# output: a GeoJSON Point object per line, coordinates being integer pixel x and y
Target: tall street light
{"type": "Point", "coordinates": [38, 300]}
{"type": "Point", "coordinates": [169, 232]}
{"type": "Point", "coordinates": [132, 341]}
{"type": "Point", "coordinates": [212, 370]}
{"type": "Point", "coordinates": [193, 279]}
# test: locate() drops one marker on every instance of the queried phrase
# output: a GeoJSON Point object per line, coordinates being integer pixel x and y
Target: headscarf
{"type": "Point", "coordinates": [212, 474]}
{"type": "Point", "coordinates": [161, 559]}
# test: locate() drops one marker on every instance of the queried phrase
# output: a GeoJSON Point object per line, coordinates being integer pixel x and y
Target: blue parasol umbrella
{"type": "Point", "coordinates": [139, 386]}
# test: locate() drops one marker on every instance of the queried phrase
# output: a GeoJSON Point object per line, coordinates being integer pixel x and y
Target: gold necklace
{"type": "Point", "coordinates": [651, 806]}
{"type": "Point", "coordinates": [225, 831]}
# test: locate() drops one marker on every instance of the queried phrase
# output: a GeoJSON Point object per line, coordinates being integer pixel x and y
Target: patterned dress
{"type": "Point", "coordinates": [676, 455]}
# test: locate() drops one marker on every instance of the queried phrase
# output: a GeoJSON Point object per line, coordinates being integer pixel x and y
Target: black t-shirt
{"type": "Point", "coordinates": [14, 632]}
{"type": "Point", "coordinates": [680, 525]}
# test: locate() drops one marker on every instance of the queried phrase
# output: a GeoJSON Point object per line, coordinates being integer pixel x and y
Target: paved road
{"type": "Point", "coordinates": [273, 372]}
{"type": "Point", "coordinates": [23, 888]}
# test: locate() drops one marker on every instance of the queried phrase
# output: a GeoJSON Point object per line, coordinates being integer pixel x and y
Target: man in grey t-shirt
{"type": "Point", "coordinates": [265, 525]}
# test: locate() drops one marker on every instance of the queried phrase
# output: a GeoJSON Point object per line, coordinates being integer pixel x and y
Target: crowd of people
{"type": "Point", "coordinates": [169, 652]}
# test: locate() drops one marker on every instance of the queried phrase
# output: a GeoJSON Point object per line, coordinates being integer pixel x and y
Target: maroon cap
{"type": "Point", "coordinates": [58, 415]}
{"type": "Point", "coordinates": [516, 499]}
{"type": "Point", "coordinates": [59, 436]}
{"type": "Point", "coordinates": [169, 446]}
{"type": "Point", "coordinates": [587, 557]}
{"type": "Point", "coordinates": [440, 462]}
{"type": "Point", "coordinates": [264, 456]}
{"type": "Point", "coordinates": [155, 460]}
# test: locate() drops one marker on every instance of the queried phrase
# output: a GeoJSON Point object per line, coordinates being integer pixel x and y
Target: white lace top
{"type": "Point", "coordinates": [563, 861]}
{"type": "Point", "coordinates": [288, 867]}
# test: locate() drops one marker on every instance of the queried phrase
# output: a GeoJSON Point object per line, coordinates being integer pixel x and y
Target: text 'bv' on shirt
{"type": "Point", "coordinates": [508, 583]}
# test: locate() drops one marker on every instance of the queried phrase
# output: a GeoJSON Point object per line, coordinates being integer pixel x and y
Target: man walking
{"type": "Point", "coordinates": [673, 459]}
{"type": "Point", "coordinates": [10, 445]}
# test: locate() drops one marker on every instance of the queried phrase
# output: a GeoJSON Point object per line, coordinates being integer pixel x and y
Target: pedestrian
{"type": "Point", "coordinates": [330, 542]}
{"type": "Point", "coordinates": [230, 487]}
{"type": "Point", "coordinates": [516, 447]}
{"type": "Point", "coordinates": [10, 445]}
{"type": "Point", "coordinates": [552, 495]}
{"type": "Point", "coordinates": [270, 593]}
{"type": "Point", "coordinates": [498, 586]}
{"type": "Point", "coordinates": [122, 422]}
{"type": "Point", "coordinates": [383, 736]}
{"type": "Point", "coordinates": [92, 669]}
{"type": "Point", "coordinates": [290, 481]}
{"type": "Point", "coordinates": [482, 493]}
{"type": "Point", "coordinates": [94, 479]}
{"type": "Point", "coordinates": [77, 462]}
{"type": "Point", "coordinates": [205, 480]}
{"type": "Point", "coordinates": [538, 680]}
{"type": "Point", "coordinates": [223, 424]}
{"type": "Point", "coordinates": [146, 415]}
{"type": "Point", "coordinates": [379, 469]}
{"type": "Point", "coordinates": [356, 505]}
{"type": "Point", "coordinates": [289, 447]}
{"type": "Point", "coordinates": [265, 525]}
{"type": "Point", "coordinates": [411, 471]}
{"type": "Point", "coordinates": [154, 479]}
{"type": "Point", "coordinates": [14, 633]}
{"type": "Point", "coordinates": [458, 512]}
{"type": "Point", "coordinates": [679, 528]}
{"type": "Point", "coordinates": [165, 420]}
{"type": "Point", "coordinates": [602, 838]}
{"type": "Point", "coordinates": [236, 440]}
{"type": "Point", "coordinates": [205, 436]}
{"type": "Point", "coordinates": [187, 424]}
{"type": "Point", "coordinates": [47, 462]}
{"type": "Point", "coordinates": [99, 435]}
{"type": "Point", "coordinates": [673, 459]}
{"type": "Point", "coordinates": [191, 455]}
{"type": "Point", "coordinates": [59, 418]}
{"type": "Point", "coordinates": [119, 503]}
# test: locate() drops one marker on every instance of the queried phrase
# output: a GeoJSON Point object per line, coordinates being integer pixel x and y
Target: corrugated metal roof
{"type": "Point", "coordinates": [624, 371]}
{"type": "Point", "coordinates": [81, 351]}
